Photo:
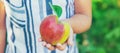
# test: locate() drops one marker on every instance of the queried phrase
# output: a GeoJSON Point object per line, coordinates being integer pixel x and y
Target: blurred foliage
{"type": "Point", "coordinates": [104, 34]}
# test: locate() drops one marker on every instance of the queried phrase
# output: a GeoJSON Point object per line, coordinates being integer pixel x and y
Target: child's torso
{"type": "Point", "coordinates": [23, 18]}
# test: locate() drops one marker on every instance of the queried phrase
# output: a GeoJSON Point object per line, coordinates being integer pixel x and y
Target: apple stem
{"type": "Point", "coordinates": [53, 10]}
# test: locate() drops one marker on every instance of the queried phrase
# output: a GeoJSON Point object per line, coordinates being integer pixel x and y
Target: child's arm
{"type": "Point", "coordinates": [2, 28]}
{"type": "Point", "coordinates": [80, 22]}
{"type": "Point", "coordinates": [82, 19]}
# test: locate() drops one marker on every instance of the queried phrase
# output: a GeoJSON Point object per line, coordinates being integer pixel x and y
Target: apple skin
{"type": "Point", "coordinates": [54, 32]}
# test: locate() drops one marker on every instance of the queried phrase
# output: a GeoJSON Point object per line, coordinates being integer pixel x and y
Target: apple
{"type": "Point", "coordinates": [52, 31]}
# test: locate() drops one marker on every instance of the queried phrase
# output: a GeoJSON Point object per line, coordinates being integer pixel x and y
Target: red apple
{"type": "Point", "coordinates": [52, 31]}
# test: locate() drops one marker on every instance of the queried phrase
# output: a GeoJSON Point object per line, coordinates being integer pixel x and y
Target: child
{"type": "Point", "coordinates": [23, 18]}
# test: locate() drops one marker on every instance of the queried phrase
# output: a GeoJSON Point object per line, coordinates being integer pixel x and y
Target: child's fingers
{"type": "Point", "coordinates": [40, 40]}
{"type": "Point", "coordinates": [44, 43]}
{"type": "Point", "coordinates": [50, 47]}
{"type": "Point", "coordinates": [70, 39]}
{"type": "Point", "coordinates": [47, 45]}
{"type": "Point", "coordinates": [61, 47]}
{"type": "Point", "coordinates": [70, 42]}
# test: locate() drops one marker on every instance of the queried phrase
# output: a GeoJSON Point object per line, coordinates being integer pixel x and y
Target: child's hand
{"type": "Point", "coordinates": [60, 46]}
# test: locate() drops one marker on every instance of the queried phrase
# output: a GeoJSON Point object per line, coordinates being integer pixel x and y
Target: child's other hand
{"type": "Point", "coordinates": [59, 46]}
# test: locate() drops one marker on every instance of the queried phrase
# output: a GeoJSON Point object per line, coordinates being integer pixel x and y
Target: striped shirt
{"type": "Point", "coordinates": [23, 18]}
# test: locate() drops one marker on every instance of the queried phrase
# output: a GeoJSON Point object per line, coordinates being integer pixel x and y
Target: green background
{"type": "Point", "coordinates": [104, 34]}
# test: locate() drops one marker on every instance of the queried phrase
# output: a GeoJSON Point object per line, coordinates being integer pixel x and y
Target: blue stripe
{"type": "Point", "coordinates": [21, 25]}
{"type": "Point", "coordinates": [28, 26]}
{"type": "Point", "coordinates": [26, 41]}
{"type": "Point", "coordinates": [67, 10]}
{"type": "Point", "coordinates": [33, 27]}
{"type": "Point", "coordinates": [41, 9]}
{"type": "Point", "coordinates": [54, 51]}
{"type": "Point", "coordinates": [17, 10]}
{"type": "Point", "coordinates": [71, 9]}
{"type": "Point", "coordinates": [67, 16]}
{"type": "Point", "coordinates": [18, 19]}
{"type": "Point", "coordinates": [15, 49]}
{"type": "Point", "coordinates": [8, 0]}
{"type": "Point", "coordinates": [13, 36]}
{"type": "Point", "coordinates": [48, 8]}
{"type": "Point", "coordinates": [29, 32]}
{"type": "Point", "coordinates": [75, 44]}
{"type": "Point", "coordinates": [68, 48]}
{"type": "Point", "coordinates": [14, 5]}
{"type": "Point", "coordinates": [75, 47]}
